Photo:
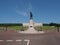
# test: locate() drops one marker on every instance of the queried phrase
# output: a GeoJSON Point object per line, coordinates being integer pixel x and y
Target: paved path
{"type": "Point", "coordinates": [10, 38]}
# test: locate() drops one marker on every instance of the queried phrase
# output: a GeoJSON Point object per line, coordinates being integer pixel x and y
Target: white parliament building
{"type": "Point", "coordinates": [34, 23]}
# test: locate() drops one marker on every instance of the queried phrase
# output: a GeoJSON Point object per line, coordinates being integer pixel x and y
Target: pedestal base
{"type": "Point", "coordinates": [31, 32]}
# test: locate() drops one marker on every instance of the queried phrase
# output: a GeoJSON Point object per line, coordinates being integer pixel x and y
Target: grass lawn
{"type": "Point", "coordinates": [44, 28]}
{"type": "Point", "coordinates": [15, 27]}
{"type": "Point", "coordinates": [10, 28]}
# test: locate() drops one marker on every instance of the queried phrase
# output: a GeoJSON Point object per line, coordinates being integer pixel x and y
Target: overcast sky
{"type": "Point", "coordinates": [18, 11]}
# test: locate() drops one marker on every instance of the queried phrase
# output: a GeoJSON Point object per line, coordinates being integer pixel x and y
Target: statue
{"type": "Point", "coordinates": [31, 17]}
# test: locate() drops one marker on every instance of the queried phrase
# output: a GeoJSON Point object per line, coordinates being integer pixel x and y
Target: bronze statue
{"type": "Point", "coordinates": [31, 17]}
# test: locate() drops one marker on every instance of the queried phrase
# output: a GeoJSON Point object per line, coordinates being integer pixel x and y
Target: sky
{"type": "Point", "coordinates": [18, 11]}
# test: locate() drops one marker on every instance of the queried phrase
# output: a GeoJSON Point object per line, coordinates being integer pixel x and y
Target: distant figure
{"type": "Point", "coordinates": [31, 17]}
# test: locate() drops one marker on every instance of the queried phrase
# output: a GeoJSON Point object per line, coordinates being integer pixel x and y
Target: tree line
{"type": "Point", "coordinates": [52, 24]}
{"type": "Point", "coordinates": [11, 24]}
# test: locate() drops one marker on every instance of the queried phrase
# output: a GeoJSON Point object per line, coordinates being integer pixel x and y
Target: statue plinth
{"type": "Point", "coordinates": [31, 26]}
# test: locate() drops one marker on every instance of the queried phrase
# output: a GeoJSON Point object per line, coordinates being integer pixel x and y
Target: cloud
{"type": "Point", "coordinates": [22, 13]}
{"type": "Point", "coordinates": [25, 11]}
{"type": "Point", "coordinates": [30, 6]}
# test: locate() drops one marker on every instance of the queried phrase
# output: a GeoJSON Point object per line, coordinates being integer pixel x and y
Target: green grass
{"type": "Point", "coordinates": [45, 28]}
{"type": "Point", "coordinates": [15, 27]}
{"type": "Point", "coordinates": [10, 28]}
